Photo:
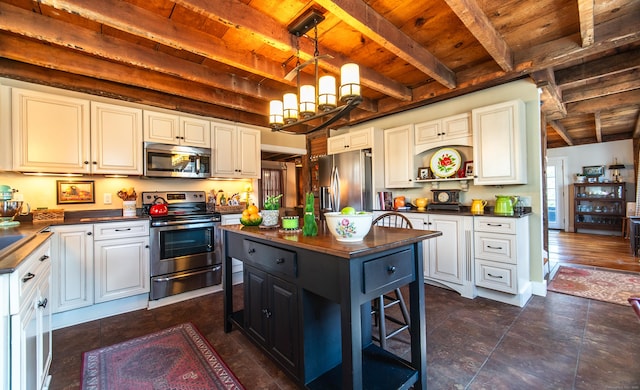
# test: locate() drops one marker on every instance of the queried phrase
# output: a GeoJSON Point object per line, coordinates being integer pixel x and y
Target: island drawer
{"type": "Point", "coordinates": [496, 276]}
{"type": "Point", "coordinates": [270, 258]}
{"type": "Point", "coordinates": [388, 272]}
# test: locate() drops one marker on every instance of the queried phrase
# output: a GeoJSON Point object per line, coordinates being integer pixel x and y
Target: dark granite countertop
{"type": "Point", "coordinates": [465, 211]}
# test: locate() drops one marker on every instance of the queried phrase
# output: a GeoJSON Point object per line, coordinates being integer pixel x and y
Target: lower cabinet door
{"type": "Point", "coordinates": [24, 349]}
{"type": "Point", "coordinates": [121, 268]}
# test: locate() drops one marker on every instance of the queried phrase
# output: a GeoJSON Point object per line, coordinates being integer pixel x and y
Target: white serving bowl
{"type": "Point", "coordinates": [349, 228]}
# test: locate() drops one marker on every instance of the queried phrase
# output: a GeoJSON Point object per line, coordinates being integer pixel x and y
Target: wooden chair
{"type": "Point", "coordinates": [383, 302]}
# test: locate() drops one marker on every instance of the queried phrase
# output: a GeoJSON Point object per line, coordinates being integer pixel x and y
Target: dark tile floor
{"type": "Point", "coordinates": [557, 342]}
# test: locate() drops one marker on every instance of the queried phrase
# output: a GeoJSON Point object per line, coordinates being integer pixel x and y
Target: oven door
{"type": "Point", "coordinates": [184, 247]}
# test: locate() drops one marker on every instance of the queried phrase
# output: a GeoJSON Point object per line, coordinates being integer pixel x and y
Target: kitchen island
{"type": "Point", "coordinates": [307, 303]}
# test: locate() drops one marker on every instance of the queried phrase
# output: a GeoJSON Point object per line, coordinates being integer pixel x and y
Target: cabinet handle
{"type": "Point", "coordinates": [391, 269]}
{"type": "Point", "coordinates": [495, 276]}
{"type": "Point", "coordinates": [266, 313]}
{"type": "Point", "coordinates": [494, 224]}
{"type": "Point", "coordinates": [44, 257]}
{"type": "Point", "coordinates": [252, 250]}
{"type": "Point", "coordinates": [28, 277]}
{"type": "Point", "coordinates": [123, 230]}
{"type": "Point", "coordinates": [280, 260]}
{"type": "Point", "coordinates": [43, 304]}
{"type": "Point", "coordinates": [494, 247]}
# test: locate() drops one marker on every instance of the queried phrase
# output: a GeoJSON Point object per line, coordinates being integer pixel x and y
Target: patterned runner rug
{"type": "Point", "coordinates": [601, 285]}
{"type": "Point", "coordinates": [174, 358]}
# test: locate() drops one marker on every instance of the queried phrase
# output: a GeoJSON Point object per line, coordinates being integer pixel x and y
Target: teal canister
{"type": "Point", "coordinates": [504, 204]}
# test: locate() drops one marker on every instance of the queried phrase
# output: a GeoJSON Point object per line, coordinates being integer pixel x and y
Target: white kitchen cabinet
{"type": "Point", "coordinates": [398, 157]}
{"type": "Point", "coordinates": [448, 131]}
{"type": "Point", "coordinates": [502, 259]}
{"type": "Point", "coordinates": [98, 263]}
{"type": "Point", "coordinates": [500, 144]}
{"type": "Point", "coordinates": [30, 321]}
{"type": "Point", "coordinates": [116, 139]}
{"type": "Point", "coordinates": [72, 267]}
{"type": "Point", "coordinates": [236, 151]}
{"type": "Point", "coordinates": [355, 140]}
{"type": "Point", "coordinates": [121, 260]}
{"type": "Point", "coordinates": [51, 133]}
{"type": "Point", "coordinates": [448, 258]}
{"type": "Point", "coordinates": [176, 130]}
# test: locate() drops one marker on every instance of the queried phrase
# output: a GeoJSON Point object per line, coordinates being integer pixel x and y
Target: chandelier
{"type": "Point", "coordinates": [305, 106]}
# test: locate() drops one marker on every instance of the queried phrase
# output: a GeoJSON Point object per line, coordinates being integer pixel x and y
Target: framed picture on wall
{"type": "Point", "coordinates": [593, 170]}
{"type": "Point", "coordinates": [468, 169]}
{"type": "Point", "coordinates": [69, 192]}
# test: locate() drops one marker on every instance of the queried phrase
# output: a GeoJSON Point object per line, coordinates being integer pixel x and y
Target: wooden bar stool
{"type": "Point", "coordinates": [385, 301]}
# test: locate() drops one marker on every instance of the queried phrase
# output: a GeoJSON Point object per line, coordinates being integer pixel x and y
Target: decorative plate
{"type": "Point", "coordinates": [445, 162]}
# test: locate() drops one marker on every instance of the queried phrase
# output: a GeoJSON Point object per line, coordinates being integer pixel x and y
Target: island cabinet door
{"type": "Point", "coordinates": [255, 303]}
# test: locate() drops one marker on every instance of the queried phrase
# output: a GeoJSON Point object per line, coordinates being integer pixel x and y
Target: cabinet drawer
{"type": "Point", "coordinates": [496, 276]}
{"type": "Point", "coordinates": [388, 272]}
{"type": "Point", "coordinates": [495, 225]}
{"type": "Point", "coordinates": [270, 258]}
{"type": "Point", "coordinates": [25, 278]}
{"type": "Point", "coordinates": [496, 247]}
{"type": "Point", "coordinates": [107, 231]}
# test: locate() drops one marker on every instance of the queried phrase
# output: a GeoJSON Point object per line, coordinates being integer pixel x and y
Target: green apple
{"type": "Point", "coordinates": [348, 210]}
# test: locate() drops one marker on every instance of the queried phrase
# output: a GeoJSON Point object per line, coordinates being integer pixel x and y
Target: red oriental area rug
{"type": "Point", "coordinates": [601, 285]}
{"type": "Point", "coordinates": [174, 358]}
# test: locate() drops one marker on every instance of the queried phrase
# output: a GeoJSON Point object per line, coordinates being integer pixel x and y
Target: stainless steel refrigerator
{"type": "Point", "coordinates": [345, 180]}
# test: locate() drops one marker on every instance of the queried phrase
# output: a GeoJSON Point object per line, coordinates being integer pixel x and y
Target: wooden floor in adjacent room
{"type": "Point", "coordinates": [594, 250]}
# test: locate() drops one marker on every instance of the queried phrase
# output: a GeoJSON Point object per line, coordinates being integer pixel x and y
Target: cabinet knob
{"type": "Point", "coordinates": [86, 162]}
{"type": "Point", "coordinates": [89, 233]}
{"type": "Point", "coordinates": [95, 163]}
{"type": "Point", "coordinates": [44, 257]}
{"type": "Point", "coordinates": [146, 246]}
{"type": "Point", "coordinates": [391, 269]}
{"type": "Point", "coordinates": [266, 313]}
{"type": "Point", "coordinates": [280, 260]}
{"type": "Point", "coordinates": [252, 250]}
{"type": "Point", "coordinates": [43, 304]}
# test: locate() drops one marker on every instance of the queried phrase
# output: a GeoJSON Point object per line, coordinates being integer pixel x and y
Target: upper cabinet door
{"type": "Point", "coordinates": [355, 140]}
{"type": "Point", "coordinates": [398, 157]}
{"type": "Point", "coordinates": [162, 128]}
{"type": "Point", "coordinates": [248, 158]}
{"type": "Point", "coordinates": [195, 132]}
{"type": "Point", "coordinates": [50, 132]}
{"type": "Point", "coordinates": [500, 144]}
{"type": "Point", "coordinates": [224, 147]}
{"type": "Point", "coordinates": [116, 139]}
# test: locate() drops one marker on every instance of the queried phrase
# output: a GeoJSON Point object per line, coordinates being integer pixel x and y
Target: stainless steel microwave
{"type": "Point", "coordinates": [161, 160]}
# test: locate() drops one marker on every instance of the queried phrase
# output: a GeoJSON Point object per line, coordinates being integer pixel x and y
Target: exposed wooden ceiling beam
{"type": "Point", "coordinates": [562, 132]}
{"type": "Point", "coordinates": [603, 87]}
{"type": "Point", "coordinates": [607, 66]}
{"type": "Point", "coordinates": [598, 126]}
{"type": "Point", "coordinates": [242, 17]}
{"type": "Point", "coordinates": [624, 99]}
{"type": "Point", "coordinates": [586, 16]}
{"type": "Point", "coordinates": [470, 13]}
{"type": "Point", "coordinates": [366, 20]}
{"type": "Point", "coordinates": [46, 29]}
{"type": "Point", "coordinates": [551, 98]}
{"type": "Point", "coordinates": [636, 131]}
{"type": "Point", "coordinates": [54, 57]}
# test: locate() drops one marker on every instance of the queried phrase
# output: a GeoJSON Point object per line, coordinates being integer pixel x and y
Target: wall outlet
{"type": "Point", "coordinates": [107, 198]}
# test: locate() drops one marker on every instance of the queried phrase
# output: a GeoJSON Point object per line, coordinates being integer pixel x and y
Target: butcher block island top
{"type": "Point", "coordinates": [307, 303]}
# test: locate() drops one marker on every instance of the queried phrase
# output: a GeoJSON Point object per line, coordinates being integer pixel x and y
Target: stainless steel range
{"type": "Point", "coordinates": [185, 243]}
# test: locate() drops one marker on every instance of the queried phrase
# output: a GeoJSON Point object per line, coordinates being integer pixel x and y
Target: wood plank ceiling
{"type": "Point", "coordinates": [228, 58]}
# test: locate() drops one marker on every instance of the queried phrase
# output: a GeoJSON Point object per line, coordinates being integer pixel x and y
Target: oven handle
{"type": "Point", "coordinates": [181, 276]}
{"type": "Point", "coordinates": [183, 222]}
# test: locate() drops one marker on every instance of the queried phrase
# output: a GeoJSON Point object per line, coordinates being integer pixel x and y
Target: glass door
{"type": "Point", "coordinates": [555, 193]}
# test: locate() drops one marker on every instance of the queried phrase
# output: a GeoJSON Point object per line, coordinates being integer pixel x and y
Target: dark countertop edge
{"type": "Point", "coordinates": [377, 240]}
{"type": "Point", "coordinates": [23, 248]}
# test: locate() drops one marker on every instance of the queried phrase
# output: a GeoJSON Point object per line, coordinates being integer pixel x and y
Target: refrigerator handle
{"type": "Point", "coordinates": [335, 189]}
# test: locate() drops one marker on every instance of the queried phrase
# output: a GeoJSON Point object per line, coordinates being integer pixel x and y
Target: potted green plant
{"type": "Point", "coordinates": [270, 211]}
